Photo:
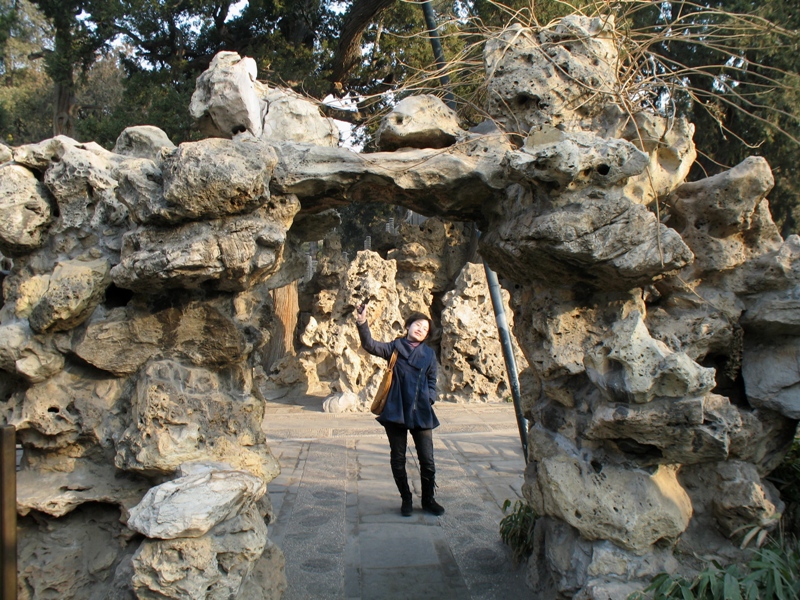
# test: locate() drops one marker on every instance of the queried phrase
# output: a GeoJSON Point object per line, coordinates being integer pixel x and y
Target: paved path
{"type": "Point", "coordinates": [338, 510]}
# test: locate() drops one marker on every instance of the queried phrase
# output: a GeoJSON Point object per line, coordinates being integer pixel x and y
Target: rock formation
{"type": "Point", "coordinates": [661, 348]}
{"type": "Point", "coordinates": [639, 331]}
{"type": "Point", "coordinates": [473, 368]}
{"type": "Point", "coordinates": [129, 335]}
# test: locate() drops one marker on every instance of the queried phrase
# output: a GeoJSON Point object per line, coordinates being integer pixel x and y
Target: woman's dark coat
{"type": "Point", "coordinates": [413, 391]}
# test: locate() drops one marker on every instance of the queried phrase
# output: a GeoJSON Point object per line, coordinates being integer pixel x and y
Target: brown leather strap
{"type": "Point", "coordinates": [393, 360]}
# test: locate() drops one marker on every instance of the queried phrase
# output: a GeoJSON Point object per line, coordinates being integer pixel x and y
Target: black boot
{"type": "Point", "coordinates": [429, 504]}
{"type": "Point", "coordinates": [406, 507]}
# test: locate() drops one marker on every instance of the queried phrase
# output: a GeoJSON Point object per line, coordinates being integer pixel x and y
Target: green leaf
{"type": "Point", "coordinates": [731, 588]}
{"type": "Point", "coordinates": [686, 592]}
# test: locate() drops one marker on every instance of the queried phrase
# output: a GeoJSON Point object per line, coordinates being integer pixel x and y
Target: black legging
{"type": "Point", "coordinates": [398, 442]}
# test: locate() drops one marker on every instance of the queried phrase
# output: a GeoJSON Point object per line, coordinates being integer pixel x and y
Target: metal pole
{"type": "Point", "coordinates": [508, 355]}
{"type": "Point", "coordinates": [8, 511]}
{"type": "Point", "coordinates": [438, 53]}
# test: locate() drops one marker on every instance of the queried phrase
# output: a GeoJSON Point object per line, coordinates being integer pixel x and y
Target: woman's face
{"type": "Point", "coordinates": [418, 330]}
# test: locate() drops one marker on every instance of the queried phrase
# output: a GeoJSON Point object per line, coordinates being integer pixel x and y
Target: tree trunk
{"type": "Point", "coordinates": [60, 67]}
{"type": "Point", "coordinates": [64, 108]}
{"type": "Point", "coordinates": [361, 14]}
{"type": "Point", "coordinates": [286, 308]}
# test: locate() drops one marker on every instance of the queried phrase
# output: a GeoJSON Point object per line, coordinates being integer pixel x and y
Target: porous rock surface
{"type": "Point", "coordinates": [137, 304]}
{"type": "Point", "coordinates": [473, 368]}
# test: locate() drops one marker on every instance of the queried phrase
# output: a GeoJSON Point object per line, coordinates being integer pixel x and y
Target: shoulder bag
{"type": "Point", "coordinates": [383, 389]}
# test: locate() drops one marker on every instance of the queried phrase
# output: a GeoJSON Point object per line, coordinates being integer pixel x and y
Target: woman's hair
{"type": "Point", "coordinates": [418, 316]}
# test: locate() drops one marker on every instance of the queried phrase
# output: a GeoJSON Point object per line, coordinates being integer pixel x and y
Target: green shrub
{"type": "Point", "coordinates": [516, 529]}
{"type": "Point", "coordinates": [773, 573]}
{"type": "Point", "coordinates": [787, 479]}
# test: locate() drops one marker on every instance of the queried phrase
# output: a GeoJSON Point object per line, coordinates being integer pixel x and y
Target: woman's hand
{"type": "Point", "coordinates": [361, 314]}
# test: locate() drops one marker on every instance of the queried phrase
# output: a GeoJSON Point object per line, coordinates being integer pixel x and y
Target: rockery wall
{"type": "Point", "coordinates": [658, 320]}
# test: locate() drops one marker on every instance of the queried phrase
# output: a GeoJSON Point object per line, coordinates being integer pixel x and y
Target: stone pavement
{"type": "Point", "coordinates": [338, 516]}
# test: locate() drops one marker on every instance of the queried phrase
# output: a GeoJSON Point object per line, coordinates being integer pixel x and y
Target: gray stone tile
{"type": "Point", "coordinates": [411, 583]}
{"type": "Point", "coordinates": [337, 508]}
{"type": "Point", "coordinates": [386, 546]}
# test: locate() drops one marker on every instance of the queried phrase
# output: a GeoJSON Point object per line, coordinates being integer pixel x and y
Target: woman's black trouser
{"type": "Point", "coordinates": [423, 441]}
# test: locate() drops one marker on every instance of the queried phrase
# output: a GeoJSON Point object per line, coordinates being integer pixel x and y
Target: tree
{"type": "Point", "coordinates": [81, 29]}
{"type": "Point", "coordinates": [734, 72]}
{"type": "Point", "coordinates": [24, 86]}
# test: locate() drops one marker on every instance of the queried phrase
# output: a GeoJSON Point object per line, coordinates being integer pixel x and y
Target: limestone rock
{"type": "Point", "coordinates": [773, 313]}
{"type": "Point", "coordinates": [213, 178]}
{"type": "Point", "coordinates": [674, 431]}
{"type": "Point", "coordinates": [776, 270]}
{"type": "Point", "coordinates": [6, 154]}
{"type": "Point", "coordinates": [332, 354]}
{"type": "Point", "coordinates": [725, 218]}
{"type": "Point", "coordinates": [39, 156]}
{"type": "Point", "coordinates": [609, 244]}
{"type": "Point", "coordinates": [314, 227]}
{"type": "Point", "coordinates": [763, 440]}
{"type": "Point", "coordinates": [604, 589]}
{"type": "Point", "coordinates": [231, 253]}
{"type": "Point", "coordinates": [630, 366]}
{"type": "Point", "coordinates": [211, 567]}
{"type": "Point", "coordinates": [771, 373]}
{"type": "Point", "coordinates": [734, 495]}
{"type": "Point", "coordinates": [72, 405]}
{"type": "Point", "coordinates": [558, 76]}
{"type": "Point", "coordinates": [418, 122]}
{"type": "Point", "coordinates": [559, 561]}
{"type": "Point", "coordinates": [555, 329]}
{"type": "Point", "coordinates": [563, 563]}
{"type": "Point", "coordinates": [58, 493]}
{"type": "Point", "coordinates": [568, 162]}
{"type": "Point", "coordinates": [198, 180]}
{"type": "Point", "coordinates": [140, 188]}
{"type": "Point", "coordinates": [634, 509]}
{"type": "Point", "coordinates": [120, 341]}
{"type": "Point", "coordinates": [181, 414]}
{"type": "Point", "coordinates": [142, 141]}
{"type": "Point", "coordinates": [74, 290]}
{"type": "Point", "coordinates": [743, 499]}
{"type": "Point", "coordinates": [454, 185]}
{"type": "Point", "coordinates": [22, 293]}
{"type": "Point", "coordinates": [699, 320]}
{"type": "Point", "coordinates": [188, 507]}
{"type": "Point", "coordinates": [473, 368]}
{"type": "Point", "coordinates": [302, 372]}
{"type": "Point", "coordinates": [71, 557]}
{"type": "Point", "coordinates": [289, 117]}
{"type": "Point", "coordinates": [24, 210]}
{"type": "Point", "coordinates": [668, 143]}
{"type": "Point", "coordinates": [429, 257]}
{"type": "Point", "coordinates": [31, 356]}
{"type": "Point", "coordinates": [83, 183]}
{"type": "Point", "coordinates": [225, 97]}
{"type": "Point", "coordinates": [340, 403]}
{"type": "Point", "coordinates": [267, 580]}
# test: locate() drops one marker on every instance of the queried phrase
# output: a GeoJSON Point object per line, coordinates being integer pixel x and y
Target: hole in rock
{"type": "Point", "coordinates": [238, 129]}
{"type": "Point", "coordinates": [728, 377]}
{"type": "Point", "coordinates": [641, 451]}
{"type": "Point", "coordinates": [527, 101]}
{"type": "Point", "coordinates": [603, 169]}
{"type": "Point", "coordinates": [596, 466]}
{"type": "Point", "coordinates": [53, 409]}
{"type": "Point", "coordinates": [117, 297]}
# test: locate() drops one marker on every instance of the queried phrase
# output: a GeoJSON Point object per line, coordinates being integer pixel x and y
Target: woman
{"type": "Point", "coordinates": [409, 406]}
